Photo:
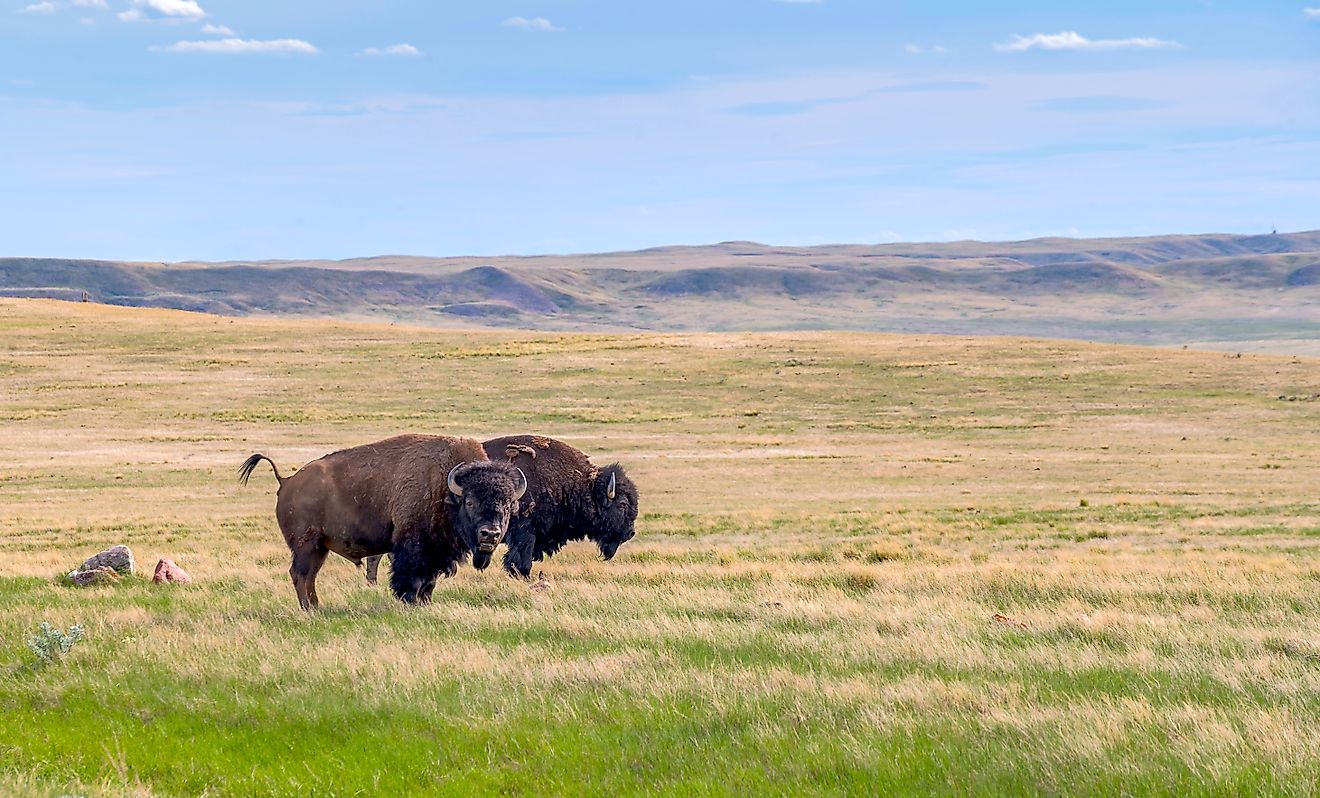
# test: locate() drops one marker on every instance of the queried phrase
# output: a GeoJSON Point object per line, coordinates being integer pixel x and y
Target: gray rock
{"type": "Point", "coordinates": [100, 575]}
{"type": "Point", "coordinates": [120, 558]}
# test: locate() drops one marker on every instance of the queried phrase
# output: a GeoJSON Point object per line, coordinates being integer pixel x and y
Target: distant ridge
{"type": "Point", "coordinates": [1212, 288]}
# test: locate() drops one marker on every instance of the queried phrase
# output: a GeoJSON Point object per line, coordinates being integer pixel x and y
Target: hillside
{"type": "Point", "coordinates": [1237, 292]}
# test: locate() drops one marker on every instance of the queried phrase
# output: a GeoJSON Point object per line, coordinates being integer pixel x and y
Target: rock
{"type": "Point", "coordinates": [167, 572]}
{"type": "Point", "coordinates": [100, 575]}
{"type": "Point", "coordinates": [119, 558]}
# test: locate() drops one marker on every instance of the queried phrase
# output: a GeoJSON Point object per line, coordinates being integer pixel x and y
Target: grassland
{"type": "Point", "coordinates": [830, 523]}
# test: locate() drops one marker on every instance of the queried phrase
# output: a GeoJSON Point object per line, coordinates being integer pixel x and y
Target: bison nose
{"type": "Point", "coordinates": [489, 537]}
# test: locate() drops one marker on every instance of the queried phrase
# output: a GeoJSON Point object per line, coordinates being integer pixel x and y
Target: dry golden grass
{"type": "Point", "coordinates": [830, 522]}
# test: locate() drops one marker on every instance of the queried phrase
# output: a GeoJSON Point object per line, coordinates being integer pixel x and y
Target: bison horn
{"type": "Point", "coordinates": [610, 492]}
{"type": "Point", "coordinates": [520, 486]}
{"type": "Point", "coordinates": [453, 480]}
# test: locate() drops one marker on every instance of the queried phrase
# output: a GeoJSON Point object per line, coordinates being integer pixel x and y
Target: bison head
{"type": "Point", "coordinates": [482, 496]}
{"type": "Point", "coordinates": [616, 509]}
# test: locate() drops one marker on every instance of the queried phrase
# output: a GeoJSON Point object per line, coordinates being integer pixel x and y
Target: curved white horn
{"type": "Point", "coordinates": [453, 483]}
{"type": "Point", "coordinates": [610, 492]}
{"type": "Point", "coordinates": [520, 485]}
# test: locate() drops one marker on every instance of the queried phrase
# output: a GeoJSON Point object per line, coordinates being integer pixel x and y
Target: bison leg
{"type": "Point", "coordinates": [307, 561]}
{"type": "Point", "coordinates": [373, 568]}
{"type": "Point", "coordinates": [410, 570]}
{"type": "Point", "coordinates": [518, 559]}
{"type": "Point", "coordinates": [424, 595]}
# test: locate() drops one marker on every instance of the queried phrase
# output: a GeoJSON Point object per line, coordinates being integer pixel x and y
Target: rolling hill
{"type": "Point", "coordinates": [1227, 291]}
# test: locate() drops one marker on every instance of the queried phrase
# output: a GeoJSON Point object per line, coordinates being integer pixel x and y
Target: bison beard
{"type": "Point", "coordinates": [428, 500]}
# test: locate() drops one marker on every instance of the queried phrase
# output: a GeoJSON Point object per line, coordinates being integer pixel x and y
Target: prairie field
{"type": "Point", "coordinates": [865, 564]}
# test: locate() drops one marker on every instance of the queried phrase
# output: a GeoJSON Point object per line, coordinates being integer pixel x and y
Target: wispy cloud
{"type": "Point", "coordinates": [1103, 104]}
{"type": "Point", "coordinates": [90, 3]}
{"type": "Point", "coordinates": [217, 30]}
{"type": "Point", "coordinates": [924, 49]}
{"type": "Point", "coordinates": [1311, 13]}
{"type": "Point", "coordinates": [38, 8]}
{"type": "Point", "coordinates": [243, 47]}
{"type": "Point", "coordinates": [1072, 40]}
{"type": "Point", "coordinates": [926, 86]}
{"type": "Point", "coordinates": [393, 49]}
{"type": "Point", "coordinates": [795, 107]}
{"type": "Point", "coordinates": [535, 23]}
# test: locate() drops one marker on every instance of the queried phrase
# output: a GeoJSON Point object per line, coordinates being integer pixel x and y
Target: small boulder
{"type": "Point", "coordinates": [120, 558]}
{"type": "Point", "coordinates": [169, 573]}
{"type": "Point", "coordinates": [100, 575]}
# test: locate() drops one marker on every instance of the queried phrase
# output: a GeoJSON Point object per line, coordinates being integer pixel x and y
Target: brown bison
{"type": "Point", "coordinates": [567, 499]}
{"type": "Point", "coordinates": [428, 500]}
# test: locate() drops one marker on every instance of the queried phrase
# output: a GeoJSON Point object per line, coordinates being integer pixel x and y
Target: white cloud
{"type": "Point", "coordinates": [1311, 13]}
{"type": "Point", "coordinates": [243, 47]}
{"type": "Point", "coordinates": [535, 23]}
{"type": "Point", "coordinates": [918, 49]}
{"type": "Point", "coordinates": [38, 8]}
{"type": "Point", "coordinates": [90, 3]}
{"type": "Point", "coordinates": [169, 9]}
{"type": "Point", "coordinates": [1072, 40]}
{"type": "Point", "coordinates": [217, 30]}
{"type": "Point", "coordinates": [393, 49]}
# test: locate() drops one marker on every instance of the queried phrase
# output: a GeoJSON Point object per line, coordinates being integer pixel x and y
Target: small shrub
{"type": "Point", "coordinates": [51, 644]}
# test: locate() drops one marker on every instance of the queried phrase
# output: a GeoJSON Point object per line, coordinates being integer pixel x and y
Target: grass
{"type": "Point", "coordinates": [830, 523]}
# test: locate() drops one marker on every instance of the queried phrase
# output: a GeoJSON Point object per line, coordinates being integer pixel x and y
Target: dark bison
{"type": "Point", "coordinates": [427, 500]}
{"type": "Point", "coordinates": [567, 499]}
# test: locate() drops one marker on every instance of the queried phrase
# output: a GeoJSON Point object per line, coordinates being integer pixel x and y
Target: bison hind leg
{"type": "Point", "coordinates": [307, 562]}
{"type": "Point", "coordinates": [373, 568]}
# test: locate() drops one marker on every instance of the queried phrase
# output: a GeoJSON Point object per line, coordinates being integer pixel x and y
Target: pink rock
{"type": "Point", "coordinates": [167, 571]}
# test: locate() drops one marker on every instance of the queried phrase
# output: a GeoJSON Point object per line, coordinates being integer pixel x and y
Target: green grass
{"type": "Point", "coordinates": [830, 524]}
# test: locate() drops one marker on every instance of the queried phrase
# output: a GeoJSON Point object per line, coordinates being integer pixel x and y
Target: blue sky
{"type": "Point", "coordinates": [228, 129]}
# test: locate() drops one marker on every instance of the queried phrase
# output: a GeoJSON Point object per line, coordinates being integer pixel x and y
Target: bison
{"type": "Point", "coordinates": [567, 499]}
{"type": "Point", "coordinates": [428, 500]}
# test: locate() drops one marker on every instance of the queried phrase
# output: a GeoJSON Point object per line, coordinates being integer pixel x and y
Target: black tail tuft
{"type": "Point", "coordinates": [245, 470]}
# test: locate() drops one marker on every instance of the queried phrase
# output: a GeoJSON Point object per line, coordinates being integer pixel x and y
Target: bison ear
{"type": "Point", "coordinates": [453, 480]}
{"type": "Point", "coordinates": [519, 485]}
{"type": "Point", "coordinates": [609, 492]}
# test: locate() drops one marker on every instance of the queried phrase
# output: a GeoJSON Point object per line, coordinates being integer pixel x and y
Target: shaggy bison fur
{"type": "Point", "coordinates": [429, 501]}
{"type": "Point", "coordinates": [567, 499]}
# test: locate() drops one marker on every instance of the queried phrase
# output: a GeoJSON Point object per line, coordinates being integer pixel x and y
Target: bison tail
{"type": "Point", "coordinates": [245, 470]}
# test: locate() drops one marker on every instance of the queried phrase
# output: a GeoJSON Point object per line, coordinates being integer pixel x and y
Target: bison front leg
{"type": "Point", "coordinates": [518, 559]}
{"type": "Point", "coordinates": [413, 572]}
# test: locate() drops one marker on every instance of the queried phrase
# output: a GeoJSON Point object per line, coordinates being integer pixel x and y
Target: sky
{"type": "Point", "coordinates": [166, 130]}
